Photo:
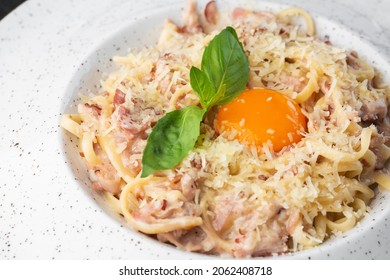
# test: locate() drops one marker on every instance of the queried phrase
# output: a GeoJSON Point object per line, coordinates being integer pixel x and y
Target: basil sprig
{"type": "Point", "coordinates": [223, 76]}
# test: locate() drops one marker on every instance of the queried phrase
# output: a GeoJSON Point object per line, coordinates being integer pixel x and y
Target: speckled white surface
{"type": "Point", "coordinates": [49, 51]}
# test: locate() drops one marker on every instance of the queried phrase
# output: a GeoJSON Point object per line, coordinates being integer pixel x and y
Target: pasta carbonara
{"type": "Point", "coordinates": [225, 197]}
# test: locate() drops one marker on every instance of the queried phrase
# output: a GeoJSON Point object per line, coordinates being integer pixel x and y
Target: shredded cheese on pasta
{"type": "Point", "coordinates": [227, 198]}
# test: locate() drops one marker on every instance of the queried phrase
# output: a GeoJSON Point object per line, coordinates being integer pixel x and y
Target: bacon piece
{"type": "Point", "coordinates": [325, 86]}
{"type": "Point", "coordinates": [131, 156]}
{"type": "Point", "coordinates": [188, 186]}
{"type": "Point", "coordinates": [164, 204]}
{"type": "Point", "coordinates": [376, 142]}
{"type": "Point", "coordinates": [211, 12]}
{"type": "Point", "coordinates": [374, 110]}
{"type": "Point", "coordinates": [242, 13]}
{"type": "Point", "coordinates": [239, 13]}
{"type": "Point", "coordinates": [104, 176]}
{"type": "Point", "coordinates": [191, 19]}
{"type": "Point", "coordinates": [108, 185]}
{"type": "Point", "coordinates": [327, 40]}
{"type": "Point", "coordinates": [352, 60]}
{"type": "Point", "coordinates": [292, 221]}
{"type": "Point", "coordinates": [95, 109]}
{"type": "Point", "coordinates": [132, 122]}
{"type": "Point", "coordinates": [223, 215]}
{"type": "Point", "coordinates": [296, 82]}
{"type": "Point", "coordinates": [273, 240]}
{"type": "Point", "coordinates": [90, 114]}
{"type": "Point", "coordinates": [119, 97]}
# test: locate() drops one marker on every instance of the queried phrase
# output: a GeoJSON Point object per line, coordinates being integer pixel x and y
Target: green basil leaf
{"type": "Point", "coordinates": [201, 84]}
{"type": "Point", "coordinates": [225, 63]}
{"type": "Point", "coordinates": [224, 75]}
{"type": "Point", "coordinates": [171, 139]}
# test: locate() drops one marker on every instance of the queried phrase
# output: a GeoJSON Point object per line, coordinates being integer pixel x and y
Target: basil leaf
{"type": "Point", "coordinates": [224, 75]}
{"type": "Point", "coordinates": [201, 84]}
{"type": "Point", "coordinates": [171, 139]}
{"type": "Point", "coordinates": [225, 63]}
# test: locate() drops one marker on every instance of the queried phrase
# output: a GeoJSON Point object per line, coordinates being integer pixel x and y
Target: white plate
{"type": "Point", "coordinates": [50, 51]}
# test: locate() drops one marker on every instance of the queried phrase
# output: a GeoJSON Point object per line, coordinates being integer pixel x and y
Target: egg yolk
{"type": "Point", "coordinates": [258, 116]}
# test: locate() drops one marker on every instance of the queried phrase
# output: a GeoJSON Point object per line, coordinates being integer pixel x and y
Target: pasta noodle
{"type": "Point", "coordinates": [310, 27]}
{"type": "Point", "coordinates": [128, 203]}
{"type": "Point", "coordinates": [228, 198]}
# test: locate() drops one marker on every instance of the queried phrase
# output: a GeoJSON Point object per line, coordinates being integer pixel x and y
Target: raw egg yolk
{"type": "Point", "coordinates": [258, 116]}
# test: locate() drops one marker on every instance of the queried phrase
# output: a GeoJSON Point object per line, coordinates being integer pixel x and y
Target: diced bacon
{"type": "Point", "coordinates": [354, 54]}
{"type": "Point", "coordinates": [223, 214]}
{"type": "Point", "coordinates": [376, 142]}
{"type": "Point", "coordinates": [106, 185]}
{"type": "Point", "coordinates": [188, 186]}
{"type": "Point", "coordinates": [133, 122]}
{"type": "Point", "coordinates": [211, 12]}
{"type": "Point", "coordinates": [352, 60]}
{"type": "Point", "coordinates": [273, 240]}
{"type": "Point", "coordinates": [325, 86]}
{"type": "Point", "coordinates": [384, 128]}
{"type": "Point", "coordinates": [242, 13]}
{"type": "Point", "coordinates": [374, 110]}
{"type": "Point", "coordinates": [104, 176]}
{"type": "Point", "coordinates": [90, 114]}
{"type": "Point", "coordinates": [292, 221]}
{"type": "Point", "coordinates": [142, 215]}
{"type": "Point", "coordinates": [239, 13]}
{"type": "Point", "coordinates": [327, 40]}
{"type": "Point", "coordinates": [95, 109]}
{"type": "Point", "coordinates": [132, 155]}
{"type": "Point", "coordinates": [164, 204]}
{"type": "Point", "coordinates": [162, 75]}
{"type": "Point", "coordinates": [296, 82]}
{"type": "Point", "coordinates": [191, 19]}
{"type": "Point", "coordinates": [191, 240]}
{"type": "Point", "coordinates": [119, 97]}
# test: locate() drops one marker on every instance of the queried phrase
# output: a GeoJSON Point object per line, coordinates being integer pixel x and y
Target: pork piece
{"type": "Point", "coordinates": [211, 12]}
{"type": "Point", "coordinates": [274, 234]}
{"type": "Point", "coordinates": [325, 87]}
{"type": "Point", "coordinates": [188, 187]}
{"type": "Point", "coordinates": [163, 76]}
{"type": "Point", "coordinates": [373, 110]}
{"type": "Point", "coordinates": [353, 60]}
{"type": "Point", "coordinates": [133, 122]}
{"type": "Point", "coordinates": [256, 230]}
{"type": "Point", "coordinates": [376, 142]}
{"type": "Point", "coordinates": [296, 82]}
{"type": "Point", "coordinates": [132, 155]}
{"type": "Point", "coordinates": [104, 175]}
{"type": "Point", "coordinates": [265, 232]}
{"type": "Point", "coordinates": [119, 97]}
{"type": "Point", "coordinates": [384, 128]}
{"type": "Point", "coordinates": [224, 214]}
{"type": "Point", "coordinates": [186, 184]}
{"type": "Point", "coordinates": [136, 120]}
{"type": "Point", "coordinates": [171, 205]}
{"type": "Point", "coordinates": [292, 220]}
{"type": "Point", "coordinates": [90, 113]}
{"type": "Point", "coordinates": [191, 19]}
{"type": "Point", "coordinates": [242, 13]}
{"type": "Point", "coordinates": [95, 110]}
{"type": "Point", "coordinates": [190, 240]}
{"type": "Point", "coordinates": [273, 239]}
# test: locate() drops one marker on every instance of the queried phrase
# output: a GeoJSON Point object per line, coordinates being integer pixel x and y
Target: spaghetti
{"type": "Point", "coordinates": [227, 198]}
